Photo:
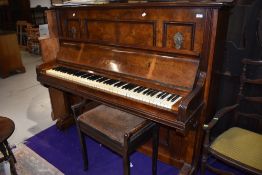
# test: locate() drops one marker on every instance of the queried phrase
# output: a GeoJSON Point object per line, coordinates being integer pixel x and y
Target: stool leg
{"type": "Point", "coordinates": [126, 162]}
{"type": "Point", "coordinates": [84, 150]}
{"type": "Point", "coordinates": [155, 149]}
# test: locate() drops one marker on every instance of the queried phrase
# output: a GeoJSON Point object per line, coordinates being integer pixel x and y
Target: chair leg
{"type": "Point", "coordinates": [9, 150]}
{"type": "Point", "coordinates": [126, 162]}
{"type": "Point", "coordinates": [203, 163]}
{"type": "Point", "coordinates": [155, 150]}
{"type": "Point", "coordinates": [12, 165]}
{"type": "Point", "coordinates": [84, 150]}
{"type": "Point", "coordinates": [8, 157]}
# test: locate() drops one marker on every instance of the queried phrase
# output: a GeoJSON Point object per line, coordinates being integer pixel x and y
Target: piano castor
{"type": "Point", "coordinates": [152, 60]}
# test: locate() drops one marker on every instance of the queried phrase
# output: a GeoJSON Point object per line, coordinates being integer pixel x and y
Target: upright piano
{"type": "Point", "coordinates": [152, 59]}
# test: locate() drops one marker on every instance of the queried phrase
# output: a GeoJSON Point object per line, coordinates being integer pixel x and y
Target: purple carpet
{"type": "Point", "coordinates": [62, 149]}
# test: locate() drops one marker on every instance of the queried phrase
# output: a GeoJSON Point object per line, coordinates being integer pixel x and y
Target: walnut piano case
{"type": "Point", "coordinates": [165, 47]}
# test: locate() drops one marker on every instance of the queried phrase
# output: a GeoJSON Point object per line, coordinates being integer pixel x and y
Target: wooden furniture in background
{"type": "Point", "coordinates": [7, 128]}
{"type": "Point", "coordinates": [10, 57]}
{"type": "Point", "coordinates": [168, 46]}
{"type": "Point", "coordinates": [21, 32]}
{"type": "Point", "coordinates": [237, 146]}
{"type": "Point", "coordinates": [32, 40]}
{"type": "Point", "coordinates": [118, 130]}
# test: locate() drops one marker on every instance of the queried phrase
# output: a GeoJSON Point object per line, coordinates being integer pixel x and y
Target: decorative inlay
{"type": "Point", "coordinates": [181, 34]}
{"type": "Point", "coordinates": [178, 40]}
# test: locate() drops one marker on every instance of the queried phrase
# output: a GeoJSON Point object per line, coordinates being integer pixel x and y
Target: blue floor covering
{"type": "Point", "coordinates": [62, 149]}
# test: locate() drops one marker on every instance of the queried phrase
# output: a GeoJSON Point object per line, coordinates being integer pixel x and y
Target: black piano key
{"type": "Point", "coordinates": [91, 77]}
{"type": "Point", "coordinates": [174, 99]}
{"type": "Point", "coordinates": [146, 91]}
{"type": "Point", "coordinates": [62, 69]}
{"type": "Point", "coordinates": [71, 71]}
{"type": "Point", "coordinates": [57, 68]}
{"type": "Point", "coordinates": [137, 88]}
{"type": "Point", "coordinates": [105, 82]}
{"type": "Point", "coordinates": [86, 75]}
{"type": "Point", "coordinates": [98, 79]}
{"type": "Point", "coordinates": [76, 73]}
{"type": "Point", "coordinates": [80, 73]}
{"type": "Point", "coordinates": [169, 98]}
{"type": "Point", "coordinates": [113, 81]}
{"type": "Point", "coordinates": [125, 86]}
{"type": "Point", "coordinates": [163, 96]}
{"type": "Point", "coordinates": [159, 95]}
{"type": "Point", "coordinates": [154, 93]}
{"type": "Point", "coordinates": [132, 86]}
{"type": "Point", "coordinates": [129, 86]}
{"type": "Point", "coordinates": [119, 84]}
{"type": "Point", "coordinates": [141, 90]}
{"type": "Point", "coordinates": [149, 92]}
{"type": "Point", "coordinates": [102, 79]}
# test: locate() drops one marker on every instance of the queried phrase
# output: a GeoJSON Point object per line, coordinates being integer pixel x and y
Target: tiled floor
{"type": "Point", "coordinates": [25, 101]}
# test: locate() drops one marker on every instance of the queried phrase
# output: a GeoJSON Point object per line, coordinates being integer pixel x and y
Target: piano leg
{"type": "Point", "coordinates": [63, 124]}
{"type": "Point", "coordinates": [60, 103]}
{"type": "Point", "coordinates": [186, 169]}
{"type": "Point", "coordinates": [61, 110]}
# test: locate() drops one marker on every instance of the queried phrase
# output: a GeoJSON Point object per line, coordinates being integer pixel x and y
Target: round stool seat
{"type": "Point", "coordinates": [7, 128]}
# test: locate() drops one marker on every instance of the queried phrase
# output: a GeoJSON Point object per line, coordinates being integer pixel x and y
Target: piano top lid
{"type": "Point", "coordinates": [171, 71]}
{"type": "Point", "coordinates": [168, 3]}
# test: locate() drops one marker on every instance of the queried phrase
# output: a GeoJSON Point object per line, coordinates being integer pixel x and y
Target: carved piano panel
{"type": "Point", "coordinates": [73, 29]}
{"type": "Point", "coordinates": [165, 46]}
{"type": "Point", "coordinates": [175, 30]}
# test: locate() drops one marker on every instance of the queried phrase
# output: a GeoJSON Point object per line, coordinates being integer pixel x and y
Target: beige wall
{"type": "Point", "coordinates": [43, 3]}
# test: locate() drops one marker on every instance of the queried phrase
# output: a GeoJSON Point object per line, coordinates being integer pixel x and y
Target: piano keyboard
{"type": "Point", "coordinates": [129, 90]}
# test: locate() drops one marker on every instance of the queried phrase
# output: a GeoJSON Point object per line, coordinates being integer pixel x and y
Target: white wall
{"type": "Point", "coordinates": [43, 3]}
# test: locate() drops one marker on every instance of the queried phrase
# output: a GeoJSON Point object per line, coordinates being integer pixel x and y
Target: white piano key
{"type": "Point", "coordinates": [86, 81]}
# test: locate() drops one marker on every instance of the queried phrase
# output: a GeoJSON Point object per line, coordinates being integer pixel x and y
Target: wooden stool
{"type": "Point", "coordinates": [7, 128]}
{"type": "Point", "coordinates": [118, 130]}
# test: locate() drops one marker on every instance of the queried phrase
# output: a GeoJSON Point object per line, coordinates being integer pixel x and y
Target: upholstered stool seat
{"type": "Point", "coordinates": [111, 122]}
{"type": "Point", "coordinates": [118, 130]}
{"type": "Point", "coordinates": [7, 128]}
{"type": "Point", "coordinates": [240, 145]}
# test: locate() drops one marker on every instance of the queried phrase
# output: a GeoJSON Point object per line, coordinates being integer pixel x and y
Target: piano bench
{"type": "Point", "coordinates": [118, 130]}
